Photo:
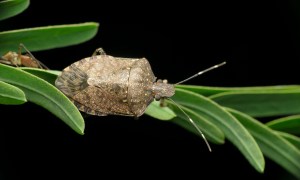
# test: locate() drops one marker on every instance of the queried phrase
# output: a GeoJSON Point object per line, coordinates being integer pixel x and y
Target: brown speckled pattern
{"type": "Point", "coordinates": [102, 85]}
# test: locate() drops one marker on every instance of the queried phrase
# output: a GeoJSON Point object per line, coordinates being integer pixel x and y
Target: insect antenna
{"type": "Point", "coordinates": [190, 119]}
{"type": "Point", "coordinates": [194, 124]}
{"type": "Point", "coordinates": [202, 72]}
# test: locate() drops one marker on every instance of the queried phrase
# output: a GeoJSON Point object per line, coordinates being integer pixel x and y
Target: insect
{"type": "Point", "coordinates": [17, 59]}
{"type": "Point", "coordinates": [106, 85]}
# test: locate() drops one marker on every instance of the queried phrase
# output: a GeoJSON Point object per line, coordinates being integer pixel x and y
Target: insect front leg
{"type": "Point", "coordinates": [99, 51]}
{"type": "Point", "coordinates": [11, 58]}
{"type": "Point", "coordinates": [5, 61]}
{"type": "Point", "coordinates": [162, 102]}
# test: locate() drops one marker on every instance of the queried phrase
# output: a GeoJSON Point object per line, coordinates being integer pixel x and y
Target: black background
{"type": "Point", "coordinates": [259, 41]}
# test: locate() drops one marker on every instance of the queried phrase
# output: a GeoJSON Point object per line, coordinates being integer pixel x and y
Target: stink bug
{"type": "Point", "coordinates": [106, 85]}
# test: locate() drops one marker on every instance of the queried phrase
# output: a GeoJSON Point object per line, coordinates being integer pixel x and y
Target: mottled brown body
{"type": "Point", "coordinates": [103, 85]}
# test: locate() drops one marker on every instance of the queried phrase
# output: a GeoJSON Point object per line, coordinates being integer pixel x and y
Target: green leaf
{"type": "Point", "coordinates": [208, 91]}
{"type": "Point", "coordinates": [158, 112]}
{"type": "Point", "coordinates": [11, 8]}
{"type": "Point", "coordinates": [203, 90]}
{"type": "Point", "coordinates": [48, 75]}
{"type": "Point", "coordinates": [10, 94]}
{"type": "Point", "coordinates": [261, 104]}
{"type": "Point", "coordinates": [273, 145]}
{"type": "Point", "coordinates": [44, 94]}
{"type": "Point", "coordinates": [295, 140]}
{"type": "Point", "coordinates": [211, 132]}
{"type": "Point", "coordinates": [290, 124]}
{"type": "Point", "coordinates": [228, 124]}
{"type": "Point", "coordinates": [41, 38]}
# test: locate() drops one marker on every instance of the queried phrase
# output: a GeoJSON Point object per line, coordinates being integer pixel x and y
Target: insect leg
{"type": "Point", "coordinates": [162, 102]}
{"type": "Point", "coordinates": [40, 64]}
{"type": "Point", "coordinates": [5, 61]}
{"type": "Point", "coordinates": [10, 58]}
{"type": "Point", "coordinates": [99, 51]}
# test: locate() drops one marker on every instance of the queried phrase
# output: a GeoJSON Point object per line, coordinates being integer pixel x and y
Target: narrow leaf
{"type": "Point", "coordinates": [44, 94]}
{"type": "Point", "coordinates": [49, 37]}
{"type": "Point", "coordinates": [261, 104]}
{"type": "Point", "coordinates": [10, 94]}
{"type": "Point", "coordinates": [9, 8]}
{"type": "Point", "coordinates": [211, 132]}
{"type": "Point", "coordinates": [209, 91]}
{"type": "Point", "coordinates": [290, 124]}
{"type": "Point", "coordinates": [158, 112]}
{"type": "Point", "coordinates": [48, 75]}
{"type": "Point", "coordinates": [273, 145]}
{"type": "Point", "coordinates": [295, 140]}
{"type": "Point", "coordinates": [228, 124]}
